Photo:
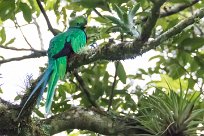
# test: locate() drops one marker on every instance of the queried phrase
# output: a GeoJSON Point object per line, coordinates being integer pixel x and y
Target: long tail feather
{"type": "Point", "coordinates": [42, 91]}
{"type": "Point", "coordinates": [44, 79]}
{"type": "Point", "coordinates": [50, 93]}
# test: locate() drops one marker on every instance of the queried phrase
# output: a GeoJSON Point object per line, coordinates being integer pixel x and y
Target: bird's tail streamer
{"type": "Point", "coordinates": [43, 82]}
{"type": "Point", "coordinates": [50, 93]}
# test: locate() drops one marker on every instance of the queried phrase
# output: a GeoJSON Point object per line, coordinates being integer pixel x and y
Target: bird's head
{"type": "Point", "coordinates": [79, 22]}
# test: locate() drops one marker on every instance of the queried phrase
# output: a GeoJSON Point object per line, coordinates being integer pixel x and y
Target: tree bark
{"type": "Point", "coordinates": [91, 119]}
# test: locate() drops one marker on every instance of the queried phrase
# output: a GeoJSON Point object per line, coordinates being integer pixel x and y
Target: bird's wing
{"type": "Point", "coordinates": [60, 63]}
{"type": "Point", "coordinates": [56, 44]}
{"type": "Point", "coordinates": [77, 37]}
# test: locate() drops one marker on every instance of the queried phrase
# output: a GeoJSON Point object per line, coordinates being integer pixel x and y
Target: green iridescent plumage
{"type": "Point", "coordinates": [60, 48]}
{"type": "Point", "coordinates": [77, 38]}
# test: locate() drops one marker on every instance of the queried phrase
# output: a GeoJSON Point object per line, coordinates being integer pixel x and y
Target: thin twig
{"type": "Point", "coordinates": [113, 86]}
{"type": "Point", "coordinates": [177, 28]}
{"type": "Point", "coordinates": [98, 13]}
{"type": "Point", "coordinates": [177, 8]}
{"type": "Point", "coordinates": [46, 18]}
{"type": "Point", "coordinates": [17, 49]}
{"type": "Point", "coordinates": [171, 11]}
{"type": "Point", "coordinates": [33, 55]}
{"type": "Point", "coordinates": [114, 80]}
{"type": "Point", "coordinates": [16, 22]}
{"type": "Point", "coordinates": [39, 33]}
{"type": "Point", "coordinates": [83, 87]}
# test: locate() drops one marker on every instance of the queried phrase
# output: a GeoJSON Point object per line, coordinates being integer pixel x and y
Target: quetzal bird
{"type": "Point", "coordinates": [60, 49]}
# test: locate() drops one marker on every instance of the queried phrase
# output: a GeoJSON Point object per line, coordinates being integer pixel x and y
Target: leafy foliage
{"type": "Point", "coordinates": [170, 113]}
{"type": "Point", "coordinates": [176, 105]}
{"type": "Point", "coordinates": [125, 22]}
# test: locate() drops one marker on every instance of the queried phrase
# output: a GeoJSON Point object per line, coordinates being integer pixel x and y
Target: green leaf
{"type": "Point", "coordinates": [142, 71]}
{"type": "Point", "coordinates": [1, 91]}
{"type": "Point", "coordinates": [180, 1]}
{"type": "Point", "coordinates": [2, 36]}
{"type": "Point", "coordinates": [1, 57]}
{"type": "Point", "coordinates": [10, 41]}
{"type": "Point", "coordinates": [39, 113]}
{"type": "Point", "coordinates": [34, 6]}
{"type": "Point", "coordinates": [100, 19]}
{"type": "Point", "coordinates": [176, 71]}
{"type": "Point", "coordinates": [121, 72]}
{"type": "Point", "coordinates": [64, 16]}
{"type": "Point", "coordinates": [145, 14]}
{"type": "Point", "coordinates": [105, 80]}
{"type": "Point", "coordinates": [192, 44]}
{"type": "Point", "coordinates": [191, 83]}
{"type": "Point", "coordinates": [114, 20]}
{"type": "Point", "coordinates": [18, 97]}
{"type": "Point", "coordinates": [174, 83]}
{"type": "Point", "coordinates": [50, 4]}
{"type": "Point", "coordinates": [126, 20]}
{"type": "Point", "coordinates": [195, 114]}
{"type": "Point", "coordinates": [27, 13]}
{"type": "Point", "coordinates": [155, 57]}
{"type": "Point", "coordinates": [133, 11]}
{"type": "Point", "coordinates": [119, 2]}
{"type": "Point", "coordinates": [7, 8]}
{"type": "Point", "coordinates": [183, 58]}
{"type": "Point", "coordinates": [199, 61]}
{"type": "Point", "coordinates": [62, 94]}
{"type": "Point", "coordinates": [92, 4]}
{"type": "Point", "coordinates": [119, 11]}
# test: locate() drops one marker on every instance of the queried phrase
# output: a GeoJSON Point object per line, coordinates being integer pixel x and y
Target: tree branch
{"type": "Point", "coordinates": [83, 88]}
{"type": "Point", "coordinates": [35, 54]}
{"type": "Point", "coordinates": [128, 50]}
{"type": "Point", "coordinates": [7, 125]}
{"type": "Point", "coordinates": [172, 10]}
{"type": "Point", "coordinates": [17, 49]}
{"type": "Point", "coordinates": [74, 118]}
{"type": "Point", "coordinates": [151, 20]}
{"type": "Point", "coordinates": [113, 86]}
{"type": "Point", "coordinates": [39, 33]}
{"type": "Point", "coordinates": [86, 119]}
{"type": "Point", "coordinates": [177, 8]}
{"type": "Point", "coordinates": [16, 22]}
{"type": "Point", "coordinates": [46, 18]}
{"type": "Point", "coordinates": [174, 30]}
{"type": "Point", "coordinates": [98, 13]}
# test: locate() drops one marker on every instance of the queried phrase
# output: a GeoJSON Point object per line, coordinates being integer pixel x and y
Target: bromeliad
{"type": "Point", "coordinates": [60, 49]}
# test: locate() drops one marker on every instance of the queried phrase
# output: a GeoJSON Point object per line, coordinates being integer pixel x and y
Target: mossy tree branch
{"type": "Point", "coordinates": [124, 50]}
{"type": "Point", "coordinates": [128, 50]}
{"type": "Point", "coordinates": [88, 119]}
{"type": "Point", "coordinates": [75, 118]}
